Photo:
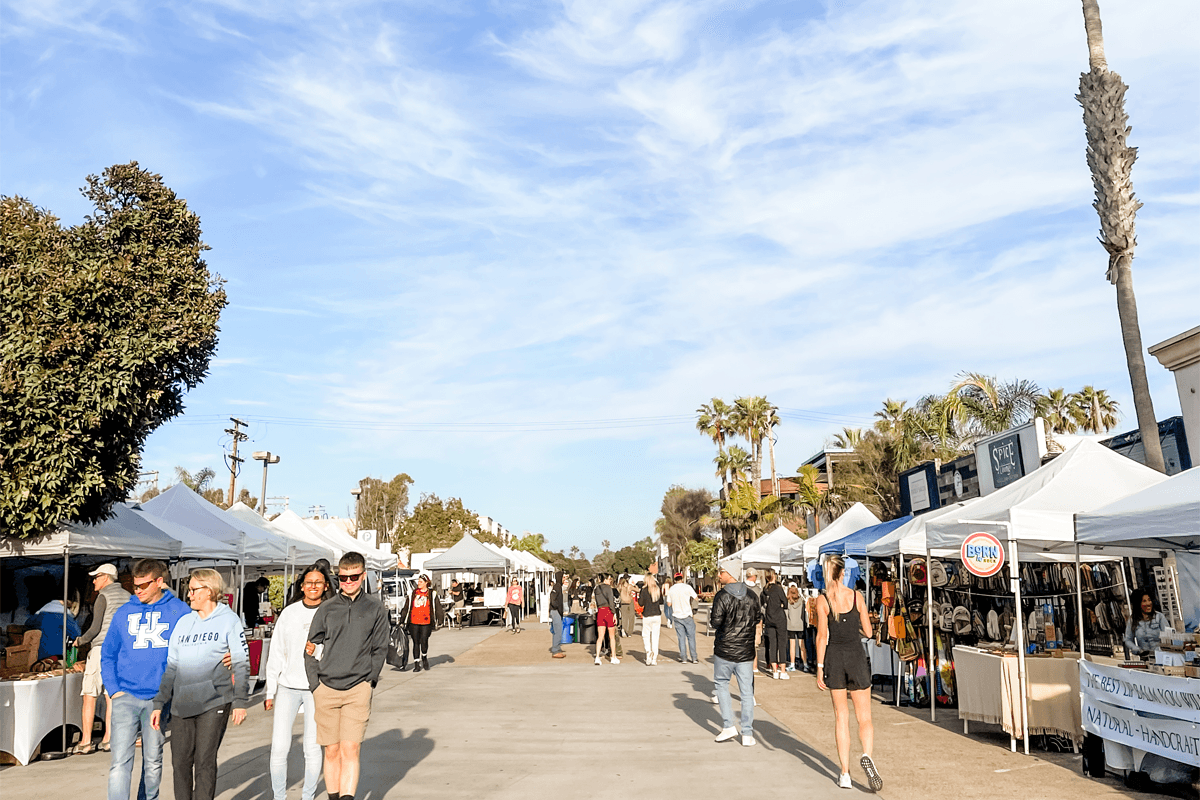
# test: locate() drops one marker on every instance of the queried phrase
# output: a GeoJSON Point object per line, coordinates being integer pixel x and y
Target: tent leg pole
{"type": "Point", "coordinates": [66, 577]}
{"type": "Point", "coordinates": [930, 658]}
{"type": "Point", "coordinates": [1079, 603]}
{"type": "Point", "coordinates": [1020, 623]}
{"type": "Point", "coordinates": [899, 599]}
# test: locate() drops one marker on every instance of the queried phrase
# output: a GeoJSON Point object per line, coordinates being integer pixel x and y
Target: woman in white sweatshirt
{"type": "Point", "coordinates": [287, 684]}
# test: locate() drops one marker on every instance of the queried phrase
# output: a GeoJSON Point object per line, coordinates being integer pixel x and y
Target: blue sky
{"type": "Point", "coordinates": [509, 248]}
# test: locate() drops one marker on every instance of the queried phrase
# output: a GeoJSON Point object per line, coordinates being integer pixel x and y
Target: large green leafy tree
{"type": "Point", "coordinates": [434, 523]}
{"type": "Point", "coordinates": [103, 327]}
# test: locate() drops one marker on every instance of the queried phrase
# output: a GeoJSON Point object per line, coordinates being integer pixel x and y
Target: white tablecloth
{"type": "Point", "coordinates": [31, 709]}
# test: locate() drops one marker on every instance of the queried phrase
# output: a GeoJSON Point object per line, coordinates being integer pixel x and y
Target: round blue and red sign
{"type": "Point", "coordinates": [982, 554]}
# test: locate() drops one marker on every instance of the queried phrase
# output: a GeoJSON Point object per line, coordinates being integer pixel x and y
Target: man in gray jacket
{"type": "Point", "coordinates": [111, 597]}
{"type": "Point", "coordinates": [346, 648]}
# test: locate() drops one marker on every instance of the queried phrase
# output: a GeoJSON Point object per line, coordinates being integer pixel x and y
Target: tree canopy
{"type": "Point", "coordinates": [103, 327]}
{"type": "Point", "coordinates": [383, 505]}
{"type": "Point", "coordinates": [434, 523]}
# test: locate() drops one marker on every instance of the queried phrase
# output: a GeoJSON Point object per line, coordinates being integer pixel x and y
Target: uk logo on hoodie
{"type": "Point", "coordinates": [134, 654]}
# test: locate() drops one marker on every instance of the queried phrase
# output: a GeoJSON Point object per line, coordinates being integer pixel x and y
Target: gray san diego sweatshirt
{"type": "Point", "coordinates": [196, 681]}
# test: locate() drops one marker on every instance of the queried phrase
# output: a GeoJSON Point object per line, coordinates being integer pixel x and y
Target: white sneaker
{"type": "Point", "coordinates": [597, 661]}
{"type": "Point", "coordinates": [726, 734]}
{"type": "Point", "coordinates": [783, 676]}
{"type": "Point", "coordinates": [844, 781]}
{"type": "Point", "coordinates": [748, 741]}
{"type": "Point", "coordinates": [614, 661]}
{"type": "Point", "coordinates": [715, 700]}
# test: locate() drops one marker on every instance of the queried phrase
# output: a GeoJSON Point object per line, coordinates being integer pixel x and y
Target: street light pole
{"type": "Point", "coordinates": [357, 494]}
{"type": "Point", "coordinates": [265, 457]}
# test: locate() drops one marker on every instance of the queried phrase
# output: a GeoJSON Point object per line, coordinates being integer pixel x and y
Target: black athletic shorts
{"type": "Point", "coordinates": [847, 668]}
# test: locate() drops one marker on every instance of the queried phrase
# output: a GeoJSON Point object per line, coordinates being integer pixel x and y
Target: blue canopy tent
{"type": "Point", "coordinates": [855, 544]}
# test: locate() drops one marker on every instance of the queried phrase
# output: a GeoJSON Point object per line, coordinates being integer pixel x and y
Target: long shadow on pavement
{"type": "Point", "coordinates": [385, 759]}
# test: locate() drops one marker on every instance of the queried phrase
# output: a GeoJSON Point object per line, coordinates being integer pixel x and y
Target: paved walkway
{"type": "Point", "coordinates": [496, 717]}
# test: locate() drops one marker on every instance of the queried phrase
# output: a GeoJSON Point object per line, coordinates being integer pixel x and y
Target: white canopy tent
{"type": "Point", "coordinates": [181, 505]}
{"type": "Point", "coordinates": [1035, 515]}
{"type": "Point", "coordinates": [306, 550]}
{"type": "Point", "coordinates": [125, 535]}
{"type": "Point", "coordinates": [342, 530]}
{"type": "Point", "coordinates": [468, 555]}
{"type": "Point", "coordinates": [1163, 516]}
{"type": "Point", "coordinates": [195, 545]}
{"type": "Point", "coordinates": [341, 541]}
{"type": "Point", "coordinates": [909, 538]}
{"type": "Point", "coordinates": [854, 519]}
{"type": "Point", "coordinates": [765, 550]}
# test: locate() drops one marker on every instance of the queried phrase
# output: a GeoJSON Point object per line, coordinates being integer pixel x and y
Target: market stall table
{"type": "Point", "coordinates": [30, 709]}
{"type": "Point", "coordinates": [989, 691]}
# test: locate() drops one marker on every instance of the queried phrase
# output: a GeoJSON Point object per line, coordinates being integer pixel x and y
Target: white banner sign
{"type": "Point", "coordinates": [1170, 738]}
{"type": "Point", "coordinates": [1178, 698]}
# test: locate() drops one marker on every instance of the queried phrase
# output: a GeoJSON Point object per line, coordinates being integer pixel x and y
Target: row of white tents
{"type": "Point", "coordinates": [180, 525]}
{"type": "Point", "coordinates": [1106, 504]}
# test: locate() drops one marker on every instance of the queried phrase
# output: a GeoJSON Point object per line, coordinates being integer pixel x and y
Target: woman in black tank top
{"type": "Point", "coordinates": [842, 667]}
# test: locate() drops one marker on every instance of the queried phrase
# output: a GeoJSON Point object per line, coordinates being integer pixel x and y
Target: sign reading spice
{"type": "Point", "coordinates": [1004, 457]}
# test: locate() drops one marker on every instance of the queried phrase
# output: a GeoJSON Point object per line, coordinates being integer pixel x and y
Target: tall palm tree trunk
{"type": "Point", "coordinates": [774, 475]}
{"type": "Point", "coordinates": [1102, 95]}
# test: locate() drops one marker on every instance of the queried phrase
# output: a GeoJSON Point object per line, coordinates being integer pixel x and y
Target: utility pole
{"type": "Point", "coordinates": [234, 461]}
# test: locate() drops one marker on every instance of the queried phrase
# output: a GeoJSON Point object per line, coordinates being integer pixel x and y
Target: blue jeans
{"type": "Point", "coordinates": [685, 632]}
{"type": "Point", "coordinates": [667, 613]}
{"type": "Point", "coordinates": [130, 717]}
{"type": "Point", "coordinates": [555, 632]}
{"type": "Point", "coordinates": [287, 705]}
{"type": "Point", "coordinates": [744, 670]}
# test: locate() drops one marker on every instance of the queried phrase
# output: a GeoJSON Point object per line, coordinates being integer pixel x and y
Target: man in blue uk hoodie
{"type": "Point", "coordinates": [132, 661]}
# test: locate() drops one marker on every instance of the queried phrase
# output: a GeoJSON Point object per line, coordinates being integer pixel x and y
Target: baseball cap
{"type": "Point", "coordinates": [105, 569]}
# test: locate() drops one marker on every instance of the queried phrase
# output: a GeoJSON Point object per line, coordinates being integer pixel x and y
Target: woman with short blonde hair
{"type": "Point", "coordinates": [211, 580]}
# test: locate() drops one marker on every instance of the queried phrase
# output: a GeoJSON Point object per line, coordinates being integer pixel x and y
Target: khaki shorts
{"type": "Point", "coordinates": [93, 684]}
{"type": "Point", "coordinates": [342, 715]}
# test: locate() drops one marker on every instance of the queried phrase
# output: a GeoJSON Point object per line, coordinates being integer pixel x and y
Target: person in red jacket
{"type": "Point", "coordinates": [422, 613]}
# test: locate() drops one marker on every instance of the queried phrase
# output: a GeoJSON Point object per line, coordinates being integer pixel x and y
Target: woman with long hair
{"type": "Point", "coordinates": [422, 612]}
{"type": "Point", "coordinates": [774, 600]}
{"type": "Point", "coordinates": [287, 683]}
{"type": "Point", "coordinates": [842, 667]}
{"type": "Point", "coordinates": [606, 621]}
{"type": "Point", "coordinates": [197, 685]}
{"type": "Point", "coordinates": [1146, 623]}
{"type": "Point", "coordinates": [652, 601]}
{"type": "Point", "coordinates": [795, 629]}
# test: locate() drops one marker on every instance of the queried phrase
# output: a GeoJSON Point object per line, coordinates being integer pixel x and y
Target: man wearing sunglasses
{"type": "Point", "coordinates": [133, 659]}
{"type": "Point", "coordinates": [346, 648]}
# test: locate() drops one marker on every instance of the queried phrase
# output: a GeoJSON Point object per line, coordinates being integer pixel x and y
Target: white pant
{"type": "Point", "coordinates": [287, 705]}
{"type": "Point", "coordinates": [650, 629]}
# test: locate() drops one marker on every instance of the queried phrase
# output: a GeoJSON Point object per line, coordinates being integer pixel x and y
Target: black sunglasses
{"type": "Point", "coordinates": [350, 578]}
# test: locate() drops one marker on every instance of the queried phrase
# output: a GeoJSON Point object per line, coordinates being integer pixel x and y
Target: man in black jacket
{"type": "Point", "coordinates": [347, 645]}
{"type": "Point", "coordinates": [558, 609]}
{"type": "Point", "coordinates": [734, 617]}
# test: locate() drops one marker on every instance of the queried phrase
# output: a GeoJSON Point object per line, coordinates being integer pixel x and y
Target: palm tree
{"type": "Point", "coordinates": [750, 421]}
{"type": "Point", "coordinates": [1062, 411]}
{"type": "Point", "coordinates": [1102, 95]}
{"type": "Point", "coordinates": [734, 462]}
{"type": "Point", "coordinates": [989, 406]}
{"type": "Point", "coordinates": [714, 422]}
{"type": "Point", "coordinates": [772, 421]}
{"type": "Point", "coordinates": [848, 438]}
{"type": "Point", "coordinates": [1098, 411]}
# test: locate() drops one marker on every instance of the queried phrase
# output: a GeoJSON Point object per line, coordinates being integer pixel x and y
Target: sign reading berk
{"type": "Point", "coordinates": [982, 554]}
